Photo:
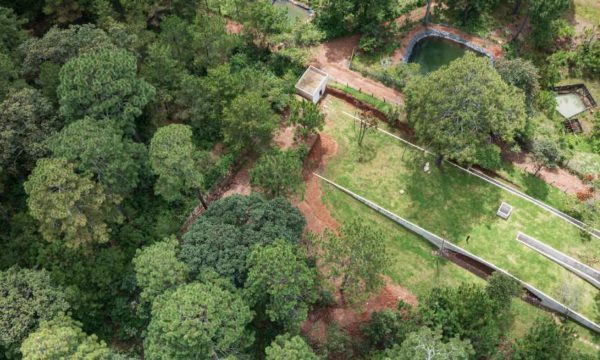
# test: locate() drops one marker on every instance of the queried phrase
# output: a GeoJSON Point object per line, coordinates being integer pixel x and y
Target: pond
{"type": "Point", "coordinates": [433, 52]}
{"type": "Point", "coordinates": [294, 11]}
{"type": "Point", "coordinates": [569, 105]}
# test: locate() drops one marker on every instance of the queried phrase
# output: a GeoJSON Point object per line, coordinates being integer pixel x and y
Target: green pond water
{"type": "Point", "coordinates": [434, 52]}
{"type": "Point", "coordinates": [294, 11]}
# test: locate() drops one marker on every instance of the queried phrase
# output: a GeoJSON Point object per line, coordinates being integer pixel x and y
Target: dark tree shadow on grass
{"type": "Point", "coordinates": [448, 201]}
{"type": "Point", "coordinates": [536, 187]}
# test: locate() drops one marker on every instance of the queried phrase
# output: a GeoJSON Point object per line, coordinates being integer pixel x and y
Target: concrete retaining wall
{"type": "Point", "coordinates": [446, 35]}
{"type": "Point", "coordinates": [580, 269]}
{"type": "Point", "coordinates": [545, 301]}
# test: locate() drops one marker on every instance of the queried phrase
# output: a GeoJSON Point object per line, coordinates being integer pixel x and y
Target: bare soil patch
{"type": "Point", "coordinates": [317, 215]}
{"type": "Point", "coordinates": [334, 56]}
{"type": "Point", "coordinates": [560, 178]}
{"type": "Point", "coordinates": [352, 318]}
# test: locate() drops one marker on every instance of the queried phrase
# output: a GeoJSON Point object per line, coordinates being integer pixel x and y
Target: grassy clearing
{"type": "Point", "coordinates": [380, 105]}
{"type": "Point", "coordinates": [588, 10]}
{"type": "Point", "coordinates": [454, 204]}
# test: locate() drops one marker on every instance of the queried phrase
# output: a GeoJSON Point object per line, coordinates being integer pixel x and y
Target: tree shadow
{"type": "Point", "coordinates": [448, 201]}
{"type": "Point", "coordinates": [536, 187]}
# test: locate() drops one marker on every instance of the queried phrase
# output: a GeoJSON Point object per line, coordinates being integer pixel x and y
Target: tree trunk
{"type": "Point", "coordinates": [521, 27]}
{"type": "Point", "coordinates": [517, 7]}
{"type": "Point", "coordinates": [201, 198]}
{"type": "Point", "coordinates": [427, 12]}
{"type": "Point", "coordinates": [342, 291]}
{"type": "Point", "coordinates": [466, 14]}
{"type": "Point", "coordinates": [438, 160]}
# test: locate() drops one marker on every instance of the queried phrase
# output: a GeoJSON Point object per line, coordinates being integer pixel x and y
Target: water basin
{"type": "Point", "coordinates": [433, 52]}
{"type": "Point", "coordinates": [294, 11]}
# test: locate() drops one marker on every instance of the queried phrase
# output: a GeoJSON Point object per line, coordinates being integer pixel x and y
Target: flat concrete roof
{"type": "Point", "coordinates": [311, 80]}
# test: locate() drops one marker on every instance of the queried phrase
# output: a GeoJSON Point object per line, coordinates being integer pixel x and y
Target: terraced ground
{"type": "Point", "coordinates": [452, 204]}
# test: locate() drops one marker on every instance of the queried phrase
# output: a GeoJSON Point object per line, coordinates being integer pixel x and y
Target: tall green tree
{"type": "Point", "coordinates": [278, 173]}
{"type": "Point", "coordinates": [222, 238]}
{"type": "Point", "coordinates": [63, 338]}
{"type": "Point", "coordinates": [248, 123]}
{"type": "Point", "coordinates": [211, 42]}
{"type": "Point", "coordinates": [280, 281]}
{"type": "Point", "coordinates": [545, 340]}
{"type": "Point", "coordinates": [470, 312]}
{"type": "Point", "coordinates": [307, 116]}
{"type": "Point", "coordinates": [522, 74]}
{"type": "Point", "coordinates": [102, 151]}
{"type": "Point", "coordinates": [27, 297]}
{"type": "Point", "coordinates": [286, 347]}
{"type": "Point", "coordinates": [27, 119]}
{"type": "Point", "coordinates": [546, 149]}
{"type": "Point", "coordinates": [469, 9]}
{"type": "Point", "coordinates": [9, 74]}
{"type": "Point", "coordinates": [59, 45]}
{"type": "Point", "coordinates": [205, 99]}
{"type": "Point", "coordinates": [427, 344]}
{"type": "Point", "coordinates": [200, 321]}
{"type": "Point", "coordinates": [157, 269]}
{"type": "Point", "coordinates": [389, 327]}
{"type": "Point", "coordinates": [177, 163]}
{"type": "Point", "coordinates": [70, 207]}
{"type": "Point", "coordinates": [11, 31]}
{"type": "Point", "coordinates": [471, 105]}
{"type": "Point", "coordinates": [166, 74]}
{"type": "Point", "coordinates": [356, 258]}
{"type": "Point", "coordinates": [541, 14]}
{"type": "Point", "coordinates": [261, 20]}
{"type": "Point", "coordinates": [103, 84]}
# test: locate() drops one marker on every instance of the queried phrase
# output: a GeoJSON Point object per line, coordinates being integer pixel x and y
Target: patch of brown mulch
{"type": "Point", "coordinates": [352, 318]}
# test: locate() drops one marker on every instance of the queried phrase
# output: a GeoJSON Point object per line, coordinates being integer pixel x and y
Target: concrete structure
{"type": "Point", "coordinates": [534, 295]}
{"type": "Point", "coordinates": [504, 211]}
{"type": "Point", "coordinates": [312, 84]}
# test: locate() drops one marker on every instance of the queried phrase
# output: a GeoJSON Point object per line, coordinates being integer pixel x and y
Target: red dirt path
{"type": "Point", "coordinates": [317, 216]}
{"type": "Point", "coordinates": [560, 178]}
{"type": "Point", "coordinates": [333, 57]}
{"type": "Point", "coordinates": [351, 319]}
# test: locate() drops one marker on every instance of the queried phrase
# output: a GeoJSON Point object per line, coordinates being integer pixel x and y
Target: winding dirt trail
{"type": "Point", "coordinates": [318, 217]}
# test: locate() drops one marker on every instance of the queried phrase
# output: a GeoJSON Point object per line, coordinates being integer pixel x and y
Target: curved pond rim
{"type": "Point", "coordinates": [447, 36]}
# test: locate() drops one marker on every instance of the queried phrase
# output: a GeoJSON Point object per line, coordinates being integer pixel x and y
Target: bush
{"type": "Point", "coordinates": [278, 173]}
{"type": "Point", "coordinates": [583, 164]}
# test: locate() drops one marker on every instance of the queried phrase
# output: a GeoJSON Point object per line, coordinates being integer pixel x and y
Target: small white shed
{"type": "Point", "coordinates": [312, 84]}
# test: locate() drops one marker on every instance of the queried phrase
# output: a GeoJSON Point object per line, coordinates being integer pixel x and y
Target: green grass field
{"type": "Point", "coordinates": [454, 204]}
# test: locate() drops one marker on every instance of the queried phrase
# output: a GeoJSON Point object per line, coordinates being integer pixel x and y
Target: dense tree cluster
{"type": "Point", "coordinates": [121, 120]}
{"type": "Point", "coordinates": [475, 107]}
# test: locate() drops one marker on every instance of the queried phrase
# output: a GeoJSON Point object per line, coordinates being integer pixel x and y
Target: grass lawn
{"type": "Point", "coordinates": [588, 10]}
{"type": "Point", "coordinates": [453, 204]}
{"type": "Point", "coordinates": [380, 105]}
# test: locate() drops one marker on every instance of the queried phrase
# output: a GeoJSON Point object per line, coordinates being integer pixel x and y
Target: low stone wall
{"type": "Point", "coordinates": [545, 301]}
{"type": "Point", "coordinates": [445, 35]}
